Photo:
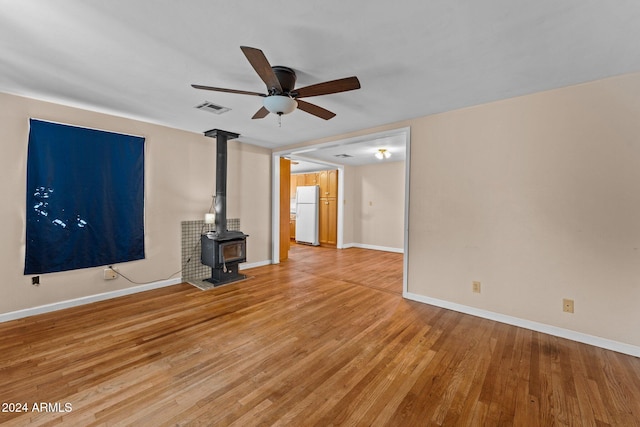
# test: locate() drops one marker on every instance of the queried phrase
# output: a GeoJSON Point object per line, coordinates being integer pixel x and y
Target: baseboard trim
{"type": "Point", "coordinates": [373, 247]}
{"type": "Point", "coordinates": [47, 308]}
{"type": "Point", "coordinates": [527, 324]}
{"type": "Point", "coordinates": [248, 265]}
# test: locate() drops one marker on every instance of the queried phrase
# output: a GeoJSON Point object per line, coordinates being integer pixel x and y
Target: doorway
{"type": "Point", "coordinates": [362, 206]}
{"type": "Point", "coordinates": [308, 200]}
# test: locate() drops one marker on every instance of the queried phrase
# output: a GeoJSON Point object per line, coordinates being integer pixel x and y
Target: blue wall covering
{"type": "Point", "coordinates": [85, 198]}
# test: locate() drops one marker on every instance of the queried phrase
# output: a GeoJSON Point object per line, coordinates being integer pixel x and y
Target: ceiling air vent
{"type": "Point", "coordinates": [212, 108]}
{"type": "Point", "coordinates": [343, 156]}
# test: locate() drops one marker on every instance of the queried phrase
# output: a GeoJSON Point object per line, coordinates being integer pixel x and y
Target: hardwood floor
{"type": "Point", "coordinates": [375, 269]}
{"type": "Point", "coordinates": [295, 345]}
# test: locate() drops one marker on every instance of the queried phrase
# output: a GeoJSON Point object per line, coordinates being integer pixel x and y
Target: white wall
{"type": "Point", "coordinates": [179, 182]}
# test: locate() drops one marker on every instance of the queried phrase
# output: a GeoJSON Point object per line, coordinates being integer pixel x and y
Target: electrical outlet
{"type": "Point", "coordinates": [567, 305]}
{"type": "Point", "coordinates": [475, 287]}
{"type": "Point", "coordinates": [110, 274]}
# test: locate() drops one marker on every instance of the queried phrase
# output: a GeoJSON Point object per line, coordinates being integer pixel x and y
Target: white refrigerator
{"type": "Point", "coordinates": [307, 200]}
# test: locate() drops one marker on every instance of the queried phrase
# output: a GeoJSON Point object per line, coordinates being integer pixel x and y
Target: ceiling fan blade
{"type": "Point", "coordinates": [326, 88]}
{"type": "Point", "coordinates": [315, 110]}
{"type": "Point", "coordinates": [259, 63]}
{"type": "Point", "coordinates": [220, 89]}
{"type": "Point", "coordinates": [261, 113]}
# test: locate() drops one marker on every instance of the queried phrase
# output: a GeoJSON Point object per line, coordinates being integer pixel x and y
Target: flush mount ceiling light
{"type": "Point", "coordinates": [280, 104]}
{"type": "Point", "coordinates": [382, 153]}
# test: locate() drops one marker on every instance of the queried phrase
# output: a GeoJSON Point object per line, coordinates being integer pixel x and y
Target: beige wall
{"type": "Point", "coordinates": [536, 197]}
{"type": "Point", "coordinates": [249, 196]}
{"type": "Point", "coordinates": [179, 182]}
{"type": "Point", "coordinates": [378, 195]}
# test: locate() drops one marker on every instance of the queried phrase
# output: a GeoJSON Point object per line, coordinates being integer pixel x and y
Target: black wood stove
{"type": "Point", "coordinates": [223, 250]}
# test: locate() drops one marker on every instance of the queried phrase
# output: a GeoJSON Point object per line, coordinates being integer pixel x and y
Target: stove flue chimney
{"type": "Point", "coordinates": [220, 207]}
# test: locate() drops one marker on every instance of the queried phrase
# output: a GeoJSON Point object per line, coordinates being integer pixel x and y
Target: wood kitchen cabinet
{"type": "Point", "coordinates": [293, 184]}
{"type": "Point", "coordinates": [328, 230]}
{"type": "Point", "coordinates": [292, 226]}
{"type": "Point", "coordinates": [298, 180]}
{"type": "Point", "coordinates": [328, 182]}
{"type": "Point", "coordinates": [302, 179]}
{"type": "Point", "coordinates": [310, 179]}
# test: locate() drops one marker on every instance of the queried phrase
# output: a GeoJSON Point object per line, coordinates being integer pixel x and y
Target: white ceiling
{"type": "Point", "coordinates": [137, 58]}
{"type": "Point", "coordinates": [361, 151]}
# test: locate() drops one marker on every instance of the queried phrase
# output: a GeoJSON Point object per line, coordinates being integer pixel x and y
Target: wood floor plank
{"type": "Point", "coordinates": [324, 338]}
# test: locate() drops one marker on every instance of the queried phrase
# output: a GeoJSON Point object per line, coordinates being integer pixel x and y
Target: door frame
{"type": "Point", "coordinates": [298, 153]}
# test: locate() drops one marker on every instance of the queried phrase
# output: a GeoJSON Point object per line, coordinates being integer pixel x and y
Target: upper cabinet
{"type": "Point", "coordinates": [310, 179]}
{"type": "Point", "coordinates": [328, 181]}
{"type": "Point", "coordinates": [296, 181]}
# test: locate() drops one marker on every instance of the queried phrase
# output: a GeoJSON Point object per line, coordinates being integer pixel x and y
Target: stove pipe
{"type": "Point", "coordinates": [221, 176]}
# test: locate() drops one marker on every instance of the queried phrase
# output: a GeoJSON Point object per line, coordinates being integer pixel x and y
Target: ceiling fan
{"type": "Point", "coordinates": [282, 97]}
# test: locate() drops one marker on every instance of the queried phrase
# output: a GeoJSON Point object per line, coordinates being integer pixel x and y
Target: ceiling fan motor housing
{"type": "Point", "coordinates": [286, 76]}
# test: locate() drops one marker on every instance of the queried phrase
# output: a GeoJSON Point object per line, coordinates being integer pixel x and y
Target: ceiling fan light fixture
{"type": "Point", "coordinates": [382, 153]}
{"type": "Point", "coordinates": [282, 96]}
{"type": "Point", "coordinates": [280, 104]}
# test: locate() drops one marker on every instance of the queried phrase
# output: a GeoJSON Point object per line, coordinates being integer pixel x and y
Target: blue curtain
{"type": "Point", "coordinates": [85, 198]}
